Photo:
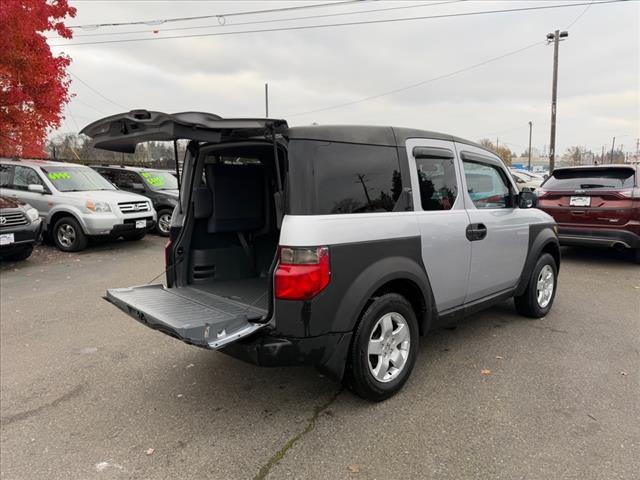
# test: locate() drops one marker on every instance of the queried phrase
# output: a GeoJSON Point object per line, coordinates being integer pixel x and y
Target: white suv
{"type": "Point", "coordinates": [76, 202]}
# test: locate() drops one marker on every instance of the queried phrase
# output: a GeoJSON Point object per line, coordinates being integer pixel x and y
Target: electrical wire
{"type": "Point", "coordinates": [273, 20]}
{"type": "Point", "coordinates": [218, 16]}
{"type": "Point", "coordinates": [346, 24]}
{"type": "Point", "coordinates": [419, 84]}
{"type": "Point", "coordinates": [97, 92]}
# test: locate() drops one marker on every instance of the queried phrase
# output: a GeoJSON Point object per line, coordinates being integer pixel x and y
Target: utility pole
{"type": "Point", "coordinates": [555, 38]}
{"type": "Point", "coordinates": [530, 128]}
{"type": "Point", "coordinates": [266, 99]}
{"type": "Point", "coordinates": [613, 143]}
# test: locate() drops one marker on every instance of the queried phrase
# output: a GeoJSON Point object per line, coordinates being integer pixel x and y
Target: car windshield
{"type": "Point", "coordinates": [76, 179]}
{"type": "Point", "coordinates": [159, 180]}
{"type": "Point", "coordinates": [585, 178]}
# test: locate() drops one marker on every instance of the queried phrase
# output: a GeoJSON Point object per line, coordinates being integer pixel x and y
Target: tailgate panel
{"type": "Point", "coordinates": [191, 315]}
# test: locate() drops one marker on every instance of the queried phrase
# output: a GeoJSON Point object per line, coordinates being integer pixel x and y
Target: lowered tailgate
{"type": "Point", "coordinates": [191, 315]}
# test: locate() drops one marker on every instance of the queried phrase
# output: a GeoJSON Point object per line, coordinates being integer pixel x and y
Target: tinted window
{"type": "Point", "coordinates": [353, 178]}
{"type": "Point", "coordinates": [25, 176]}
{"type": "Point", "coordinates": [438, 185]}
{"type": "Point", "coordinates": [6, 172]}
{"type": "Point", "coordinates": [585, 178]}
{"type": "Point", "coordinates": [487, 185]}
{"type": "Point", "coordinates": [108, 174]}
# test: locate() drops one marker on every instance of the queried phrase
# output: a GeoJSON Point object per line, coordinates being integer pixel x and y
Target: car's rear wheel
{"type": "Point", "coordinates": [68, 235]}
{"type": "Point", "coordinates": [537, 299]}
{"type": "Point", "coordinates": [384, 348]}
{"type": "Point", "coordinates": [164, 222]}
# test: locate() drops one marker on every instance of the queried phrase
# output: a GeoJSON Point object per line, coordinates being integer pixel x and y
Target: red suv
{"type": "Point", "coordinates": [595, 205]}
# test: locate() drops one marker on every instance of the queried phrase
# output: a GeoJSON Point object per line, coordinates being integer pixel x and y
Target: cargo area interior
{"type": "Point", "coordinates": [236, 223]}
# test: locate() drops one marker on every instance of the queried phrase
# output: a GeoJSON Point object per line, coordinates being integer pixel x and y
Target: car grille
{"type": "Point", "coordinates": [12, 219]}
{"type": "Point", "coordinates": [134, 207]}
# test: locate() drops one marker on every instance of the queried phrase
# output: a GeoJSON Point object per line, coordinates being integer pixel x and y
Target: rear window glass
{"type": "Point", "coordinates": [352, 178]}
{"type": "Point", "coordinates": [583, 179]}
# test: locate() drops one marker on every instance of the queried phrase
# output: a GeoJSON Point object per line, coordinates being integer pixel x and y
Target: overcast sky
{"type": "Point", "coordinates": [599, 75]}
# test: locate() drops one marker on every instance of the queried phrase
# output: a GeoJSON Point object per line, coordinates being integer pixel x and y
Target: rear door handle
{"type": "Point", "coordinates": [476, 231]}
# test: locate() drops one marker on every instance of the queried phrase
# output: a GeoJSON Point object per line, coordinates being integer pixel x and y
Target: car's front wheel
{"type": "Point", "coordinates": [68, 235]}
{"type": "Point", "coordinates": [537, 299]}
{"type": "Point", "coordinates": [384, 348]}
{"type": "Point", "coordinates": [164, 222]}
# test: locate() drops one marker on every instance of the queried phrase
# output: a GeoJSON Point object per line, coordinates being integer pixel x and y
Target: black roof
{"type": "Point", "coordinates": [369, 134]}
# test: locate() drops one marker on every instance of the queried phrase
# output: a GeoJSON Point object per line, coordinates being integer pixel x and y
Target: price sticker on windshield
{"type": "Point", "coordinates": [59, 176]}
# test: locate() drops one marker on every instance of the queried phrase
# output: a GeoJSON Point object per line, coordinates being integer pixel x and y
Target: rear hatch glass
{"type": "Point", "coordinates": [589, 196]}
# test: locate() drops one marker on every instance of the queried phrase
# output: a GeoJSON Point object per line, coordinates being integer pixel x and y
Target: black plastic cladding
{"type": "Point", "coordinates": [358, 270]}
{"type": "Point", "coordinates": [540, 236]}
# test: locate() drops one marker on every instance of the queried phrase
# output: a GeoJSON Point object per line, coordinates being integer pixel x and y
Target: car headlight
{"type": "Point", "coordinates": [97, 207]}
{"type": "Point", "coordinates": [32, 213]}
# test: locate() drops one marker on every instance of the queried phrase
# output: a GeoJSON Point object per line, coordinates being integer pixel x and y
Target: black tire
{"type": "Point", "coordinates": [135, 236]}
{"type": "Point", "coordinates": [68, 235]}
{"type": "Point", "coordinates": [21, 255]}
{"type": "Point", "coordinates": [527, 304]}
{"type": "Point", "coordinates": [359, 377]}
{"type": "Point", "coordinates": [160, 225]}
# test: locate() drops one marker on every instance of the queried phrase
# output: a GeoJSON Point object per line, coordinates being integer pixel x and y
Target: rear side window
{"type": "Point", "coordinates": [586, 178]}
{"type": "Point", "coordinates": [351, 178]}
{"type": "Point", "coordinates": [6, 171]}
{"type": "Point", "coordinates": [25, 176]}
{"type": "Point", "coordinates": [438, 184]}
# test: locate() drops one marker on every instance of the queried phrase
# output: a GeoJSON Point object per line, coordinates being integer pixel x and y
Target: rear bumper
{"type": "Point", "coordinates": [598, 237]}
{"type": "Point", "coordinates": [326, 352]}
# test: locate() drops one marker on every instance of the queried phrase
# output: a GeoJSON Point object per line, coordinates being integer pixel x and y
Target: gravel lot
{"type": "Point", "coordinates": [88, 393]}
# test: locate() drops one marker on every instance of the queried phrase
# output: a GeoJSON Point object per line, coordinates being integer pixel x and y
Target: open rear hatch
{"type": "Point", "coordinates": [189, 314]}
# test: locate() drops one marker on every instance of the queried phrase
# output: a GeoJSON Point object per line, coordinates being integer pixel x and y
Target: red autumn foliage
{"type": "Point", "coordinates": [34, 86]}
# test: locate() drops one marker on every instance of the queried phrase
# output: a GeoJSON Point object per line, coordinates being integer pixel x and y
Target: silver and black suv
{"type": "Point", "coordinates": [334, 246]}
{"type": "Point", "coordinates": [75, 202]}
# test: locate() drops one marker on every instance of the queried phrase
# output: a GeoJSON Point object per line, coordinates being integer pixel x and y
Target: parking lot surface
{"type": "Point", "coordinates": [86, 392]}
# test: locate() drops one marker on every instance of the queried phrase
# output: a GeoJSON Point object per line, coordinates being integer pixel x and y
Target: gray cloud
{"type": "Point", "coordinates": [313, 69]}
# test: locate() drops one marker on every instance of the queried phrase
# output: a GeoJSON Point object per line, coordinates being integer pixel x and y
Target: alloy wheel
{"type": "Point", "coordinates": [388, 348]}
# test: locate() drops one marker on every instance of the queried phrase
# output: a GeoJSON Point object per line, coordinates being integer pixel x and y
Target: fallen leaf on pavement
{"type": "Point", "coordinates": [498, 357]}
{"type": "Point", "coordinates": [150, 451]}
{"type": "Point", "coordinates": [624, 373]}
{"type": "Point", "coordinates": [354, 468]}
{"type": "Point", "coordinates": [486, 371]}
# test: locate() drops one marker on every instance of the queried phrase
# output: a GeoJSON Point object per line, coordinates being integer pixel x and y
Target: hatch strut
{"type": "Point", "coordinates": [275, 157]}
{"type": "Point", "coordinates": [175, 155]}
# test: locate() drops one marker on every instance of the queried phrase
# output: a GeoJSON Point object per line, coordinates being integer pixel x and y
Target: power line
{"type": "Point", "coordinates": [419, 84]}
{"type": "Point", "coordinates": [346, 24]}
{"type": "Point", "coordinates": [273, 20]}
{"type": "Point", "coordinates": [96, 91]}
{"type": "Point", "coordinates": [219, 16]}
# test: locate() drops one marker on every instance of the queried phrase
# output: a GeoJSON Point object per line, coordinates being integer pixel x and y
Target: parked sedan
{"type": "Point", "coordinates": [20, 229]}
{"type": "Point", "coordinates": [595, 205]}
{"type": "Point", "coordinates": [526, 179]}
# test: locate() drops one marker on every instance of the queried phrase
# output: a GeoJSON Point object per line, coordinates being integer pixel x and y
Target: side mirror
{"type": "Point", "coordinates": [527, 199]}
{"type": "Point", "coordinates": [34, 187]}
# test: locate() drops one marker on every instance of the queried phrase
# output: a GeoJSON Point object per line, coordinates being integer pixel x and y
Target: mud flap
{"type": "Point", "coordinates": [188, 314]}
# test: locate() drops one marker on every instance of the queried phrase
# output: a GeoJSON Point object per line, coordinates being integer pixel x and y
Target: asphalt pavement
{"type": "Point", "coordinates": [88, 393]}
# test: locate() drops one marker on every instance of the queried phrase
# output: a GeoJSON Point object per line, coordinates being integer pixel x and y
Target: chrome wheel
{"type": "Point", "coordinates": [388, 347]}
{"type": "Point", "coordinates": [66, 235]}
{"type": "Point", "coordinates": [164, 223]}
{"type": "Point", "coordinates": [544, 286]}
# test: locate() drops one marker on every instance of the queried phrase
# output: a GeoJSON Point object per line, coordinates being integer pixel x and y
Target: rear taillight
{"type": "Point", "coordinates": [302, 273]}
{"type": "Point", "coordinates": [631, 193]}
{"type": "Point", "coordinates": [540, 192]}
